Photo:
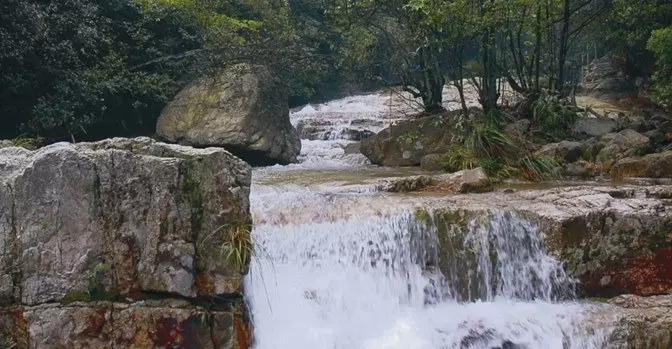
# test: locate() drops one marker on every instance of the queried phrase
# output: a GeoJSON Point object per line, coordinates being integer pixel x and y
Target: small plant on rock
{"type": "Point", "coordinates": [486, 140]}
{"type": "Point", "coordinates": [537, 167]}
{"type": "Point", "coordinates": [458, 158]}
{"type": "Point", "coordinates": [238, 246]}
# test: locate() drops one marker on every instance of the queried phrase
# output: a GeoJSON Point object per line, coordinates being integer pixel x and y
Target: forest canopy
{"type": "Point", "coordinates": [88, 69]}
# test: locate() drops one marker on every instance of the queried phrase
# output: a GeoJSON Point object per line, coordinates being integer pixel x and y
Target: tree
{"type": "Point", "coordinates": [78, 68]}
{"type": "Point", "coordinates": [660, 44]}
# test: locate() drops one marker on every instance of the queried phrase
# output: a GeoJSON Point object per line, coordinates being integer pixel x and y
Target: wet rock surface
{"type": "Point", "coordinates": [120, 219]}
{"type": "Point", "coordinates": [465, 181]}
{"type": "Point", "coordinates": [615, 241]}
{"type": "Point", "coordinates": [101, 325]}
{"type": "Point", "coordinates": [644, 322]}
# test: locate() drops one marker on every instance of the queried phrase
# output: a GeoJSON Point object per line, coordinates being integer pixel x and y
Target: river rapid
{"type": "Point", "coordinates": [339, 265]}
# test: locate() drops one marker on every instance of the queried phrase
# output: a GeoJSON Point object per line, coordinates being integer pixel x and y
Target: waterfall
{"type": "Point", "coordinates": [358, 283]}
{"type": "Point", "coordinates": [351, 269]}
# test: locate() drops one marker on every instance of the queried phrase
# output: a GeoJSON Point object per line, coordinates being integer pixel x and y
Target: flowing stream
{"type": "Point", "coordinates": [341, 266]}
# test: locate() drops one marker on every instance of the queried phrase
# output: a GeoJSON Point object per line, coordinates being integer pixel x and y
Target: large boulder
{"type": "Point", "coordinates": [243, 109]}
{"type": "Point", "coordinates": [405, 143]}
{"type": "Point", "coordinates": [606, 77]}
{"type": "Point", "coordinates": [624, 144]}
{"type": "Point", "coordinates": [566, 151]}
{"type": "Point", "coordinates": [658, 165]}
{"type": "Point", "coordinates": [119, 220]}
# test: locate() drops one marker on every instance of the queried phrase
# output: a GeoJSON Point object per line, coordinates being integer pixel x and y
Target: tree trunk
{"type": "Point", "coordinates": [564, 43]}
{"type": "Point", "coordinates": [537, 49]}
{"type": "Point", "coordinates": [433, 81]}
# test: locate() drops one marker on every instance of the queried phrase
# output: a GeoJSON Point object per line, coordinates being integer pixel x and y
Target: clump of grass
{"type": "Point", "coordinates": [31, 143]}
{"type": "Point", "coordinates": [486, 140]}
{"type": "Point", "coordinates": [554, 115]}
{"type": "Point", "coordinates": [537, 167]}
{"type": "Point", "coordinates": [458, 158]}
{"type": "Point", "coordinates": [238, 246]}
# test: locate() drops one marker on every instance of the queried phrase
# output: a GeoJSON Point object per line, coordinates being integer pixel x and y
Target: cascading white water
{"type": "Point", "coordinates": [337, 268]}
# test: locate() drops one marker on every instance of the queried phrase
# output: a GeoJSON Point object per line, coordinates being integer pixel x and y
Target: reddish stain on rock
{"type": "Point", "coordinates": [242, 330]}
{"type": "Point", "coordinates": [96, 322]}
{"type": "Point", "coordinates": [20, 330]}
{"type": "Point", "coordinates": [643, 276]}
{"type": "Point", "coordinates": [192, 333]}
{"type": "Point", "coordinates": [168, 334]}
{"type": "Point", "coordinates": [204, 284]}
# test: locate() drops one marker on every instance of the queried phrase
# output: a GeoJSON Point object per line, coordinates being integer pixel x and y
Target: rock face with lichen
{"type": "Point", "coordinates": [643, 322]}
{"type": "Point", "coordinates": [614, 241]}
{"type": "Point", "coordinates": [243, 109]}
{"type": "Point", "coordinates": [91, 234]}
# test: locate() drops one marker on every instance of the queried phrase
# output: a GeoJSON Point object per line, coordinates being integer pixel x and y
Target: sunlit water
{"type": "Point", "coordinates": [340, 266]}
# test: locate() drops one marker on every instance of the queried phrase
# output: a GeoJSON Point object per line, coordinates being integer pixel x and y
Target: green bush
{"type": "Point", "coordinates": [554, 115]}
{"type": "Point", "coordinates": [660, 44]}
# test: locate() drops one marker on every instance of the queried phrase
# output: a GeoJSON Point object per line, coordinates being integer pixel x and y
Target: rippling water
{"type": "Point", "coordinates": [340, 266]}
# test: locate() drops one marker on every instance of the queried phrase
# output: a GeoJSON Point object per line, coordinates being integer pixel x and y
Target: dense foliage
{"type": "Point", "coordinates": [85, 69]}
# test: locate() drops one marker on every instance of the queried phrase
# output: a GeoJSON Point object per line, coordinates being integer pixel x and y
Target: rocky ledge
{"type": "Point", "coordinates": [643, 322]}
{"type": "Point", "coordinates": [122, 243]}
{"type": "Point", "coordinates": [614, 240]}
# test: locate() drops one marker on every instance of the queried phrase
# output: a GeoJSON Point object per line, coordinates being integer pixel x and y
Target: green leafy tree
{"type": "Point", "coordinates": [660, 44]}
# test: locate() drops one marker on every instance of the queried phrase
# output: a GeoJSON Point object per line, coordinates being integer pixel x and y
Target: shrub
{"type": "Point", "coordinates": [660, 44]}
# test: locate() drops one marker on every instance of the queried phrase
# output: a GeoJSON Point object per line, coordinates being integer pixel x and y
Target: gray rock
{"type": "Point", "coordinates": [574, 170]}
{"type": "Point", "coordinates": [518, 127]}
{"type": "Point", "coordinates": [606, 76]}
{"type": "Point", "coordinates": [117, 217]}
{"type": "Point", "coordinates": [243, 109]}
{"type": "Point", "coordinates": [658, 165]}
{"type": "Point", "coordinates": [643, 322]}
{"type": "Point", "coordinates": [624, 144]}
{"type": "Point", "coordinates": [114, 325]}
{"type": "Point", "coordinates": [566, 151]}
{"type": "Point", "coordinates": [5, 143]}
{"type": "Point", "coordinates": [610, 239]}
{"type": "Point", "coordinates": [465, 181]}
{"type": "Point", "coordinates": [608, 138]}
{"type": "Point", "coordinates": [407, 142]}
{"type": "Point", "coordinates": [431, 162]}
{"type": "Point", "coordinates": [352, 148]}
{"type": "Point", "coordinates": [597, 127]}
